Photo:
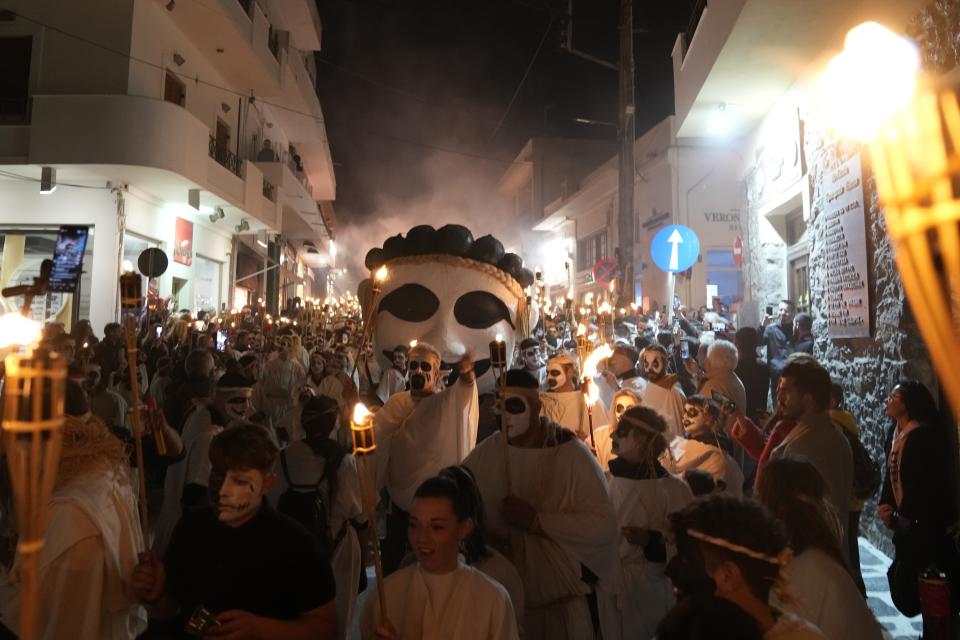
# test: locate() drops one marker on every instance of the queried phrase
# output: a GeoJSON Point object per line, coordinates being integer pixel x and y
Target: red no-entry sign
{"type": "Point", "coordinates": [605, 271]}
{"type": "Point", "coordinates": [737, 252]}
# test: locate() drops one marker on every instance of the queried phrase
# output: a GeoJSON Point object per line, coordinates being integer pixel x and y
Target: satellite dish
{"type": "Point", "coordinates": [152, 262]}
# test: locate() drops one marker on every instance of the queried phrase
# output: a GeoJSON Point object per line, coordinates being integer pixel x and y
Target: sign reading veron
{"type": "Point", "coordinates": [844, 254]}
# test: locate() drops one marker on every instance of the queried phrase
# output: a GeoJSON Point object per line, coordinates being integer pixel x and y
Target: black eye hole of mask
{"type": "Point", "coordinates": [410, 302]}
{"type": "Point", "coordinates": [480, 310]}
{"type": "Point", "coordinates": [417, 365]}
{"type": "Point", "coordinates": [515, 406]}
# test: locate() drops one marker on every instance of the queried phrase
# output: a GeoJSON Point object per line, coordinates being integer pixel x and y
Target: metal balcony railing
{"type": "Point", "coordinates": [269, 191]}
{"type": "Point", "coordinates": [695, 16]}
{"type": "Point", "coordinates": [15, 110]}
{"type": "Point", "coordinates": [225, 157]}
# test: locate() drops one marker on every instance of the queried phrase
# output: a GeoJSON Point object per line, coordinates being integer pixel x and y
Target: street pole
{"type": "Point", "coordinates": [625, 226]}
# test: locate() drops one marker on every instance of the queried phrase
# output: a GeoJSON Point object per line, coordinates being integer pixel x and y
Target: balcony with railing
{"type": "Point", "coordinates": [225, 157]}
{"type": "Point", "coordinates": [695, 15]}
{"type": "Point", "coordinates": [269, 190]}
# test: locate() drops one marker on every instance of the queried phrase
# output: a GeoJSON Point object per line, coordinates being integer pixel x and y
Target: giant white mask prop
{"type": "Point", "coordinates": [654, 364]}
{"type": "Point", "coordinates": [452, 292]}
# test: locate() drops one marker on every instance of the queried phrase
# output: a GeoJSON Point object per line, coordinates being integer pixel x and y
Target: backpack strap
{"type": "Point", "coordinates": [290, 482]}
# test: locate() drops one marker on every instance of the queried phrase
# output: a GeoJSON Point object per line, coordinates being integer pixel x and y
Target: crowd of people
{"type": "Point", "coordinates": [705, 482]}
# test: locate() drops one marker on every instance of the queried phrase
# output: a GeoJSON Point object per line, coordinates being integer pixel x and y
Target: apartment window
{"type": "Point", "coordinates": [15, 80]}
{"type": "Point", "coordinates": [591, 249]}
{"type": "Point", "coordinates": [174, 90]}
{"type": "Point", "coordinates": [798, 261]}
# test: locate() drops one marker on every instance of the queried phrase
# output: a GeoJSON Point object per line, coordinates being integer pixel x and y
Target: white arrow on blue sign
{"type": "Point", "coordinates": [675, 248]}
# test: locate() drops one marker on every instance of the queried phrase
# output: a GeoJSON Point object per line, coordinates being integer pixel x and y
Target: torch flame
{"type": "Point", "coordinates": [499, 337]}
{"type": "Point", "coordinates": [569, 294]}
{"type": "Point", "coordinates": [593, 394]}
{"type": "Point", "coordinates": [590, 366]}
{"type": "Point", "coordinates": [360, 413]}
{"type": "Point", "coordinates": [381, 274]}
{"type": "Point", "coordinates": [15, 330]}
{"type": "Point", "coordinates": [605, 308]}
{"type": "Point", "coordinates": [581, 330]}
{"type": "Point", "coordinates": [413, 343]}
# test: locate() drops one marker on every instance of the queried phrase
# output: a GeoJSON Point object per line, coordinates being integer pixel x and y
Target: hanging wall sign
{"type": "Point", "coordinates": [183, 242]}
{"type": "Point", "coordinates": [843, 257]}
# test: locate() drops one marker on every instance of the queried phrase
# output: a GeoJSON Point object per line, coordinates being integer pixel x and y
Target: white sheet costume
{"type": "Point", "coordinates": [417, 437]}
{"type": "Point", "coordinates": [194, 468]}
{"type": "Point", "coordinates": [280, 382]}
{"type": "Point", "coordinates": [566, 487]}
{"type": "Point", "coordinates": [89, 554]}
{"type": "Point", "coordinates": [666, 399]}
{"type": "Point", "coordinates": [569, 410]}
{"type": "Point", "coordinates": [647, 593]}
{"type": "Point", "coordinates": [392, 383]}
{"type": "Point", "coordinates": [306, 468]}
{"type": "Point", "coordinates": [701, 453]}
{"type": "Point", "coordinates": [464, 605]}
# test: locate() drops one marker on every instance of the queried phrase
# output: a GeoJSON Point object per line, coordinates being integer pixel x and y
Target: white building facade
{"type": "Point", "coordinates": [154, 116]}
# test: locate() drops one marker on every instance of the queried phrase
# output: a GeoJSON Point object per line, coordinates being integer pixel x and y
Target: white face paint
{"type": "Point", "coordinates": [236, 403]}
{"type": "Point", "coordinates": [695, 421]}
{"type": "Point", "coordinates": [424, 373]}
{"type": "Point", "coordinates": [516, 414]}
{"type": "Point", "coordinates": [556, 377]}
{"type": "Point", "coordinates": [239, 496]}
{"type": "Point", "coordinates": [454, 308]}
{"type": "Point", "coordinates": [654, 365]}
{"type": "Point", "coordinates": [532, 359]}
{"type": "Point", "coordinates": [621, 403]}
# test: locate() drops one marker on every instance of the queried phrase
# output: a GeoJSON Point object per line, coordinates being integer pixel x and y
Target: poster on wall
{"type": "Point", "coordinates": [183, 242]}
{"type": "Point", "coordinates": [844, 253]}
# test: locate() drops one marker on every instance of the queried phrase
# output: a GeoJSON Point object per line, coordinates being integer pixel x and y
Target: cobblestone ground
{"type": "Point", "coordinates": [874, 564]}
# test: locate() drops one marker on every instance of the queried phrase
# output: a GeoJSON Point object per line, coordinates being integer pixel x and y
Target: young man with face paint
{"type": "Point", "coordinates": [735, 549]}
{"type": "Point", "coordinates": [419, 432]}
{"type": "Point", "coordinates": [557, 515]}
{"type": "Point", "coordinates": [394, 379]}
{"type": "Point", "coordinates": [622, 400]}
{"type": "Point", "coordinates": [259, 573]}
{"type": "Point", "coordinates": [185, 485]}
{"type": "Point", "coordinates": [643, 494]}
{"type": "Point", "coordinates": [564, 403]}
{"type": "Point", "coordinates": [662, 393]}
{"type": "Point", "coordinates": [704, 447]}
{"type": "Point", "coordinates": [531, 360]}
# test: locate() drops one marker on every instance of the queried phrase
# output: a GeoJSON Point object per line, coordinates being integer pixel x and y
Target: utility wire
{"type": "Point", "coordinates": [198, 80]}
{"type": "Point", "coordinates": [536, 53]}
{"type": "Point", "coordinates": [23, 178]}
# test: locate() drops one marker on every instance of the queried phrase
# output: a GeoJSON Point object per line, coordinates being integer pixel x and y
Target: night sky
{"type": "Point", "coordinates": [401, 81]}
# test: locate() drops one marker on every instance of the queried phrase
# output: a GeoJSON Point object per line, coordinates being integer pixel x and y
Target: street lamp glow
{"type": "Point", "coordinates": [874, 77]}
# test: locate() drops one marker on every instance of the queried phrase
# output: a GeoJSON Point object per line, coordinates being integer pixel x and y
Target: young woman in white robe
{"type": "Point", "coordinates": [701, 446]}
{"type": "Point", "coordinates": [306, 463]}
{"type": "Point", "coordinates": [621, 401]}
{"type": "Point", "coordinates": [643, 494]}
{"type": "Point", "coordinates": [440, 596]}
{"type": "Point", "coordinates": [823, 589]}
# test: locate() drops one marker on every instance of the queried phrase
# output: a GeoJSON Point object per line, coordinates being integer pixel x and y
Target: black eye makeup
{"type": "Point", "coordinates": [480, 310]}
{"type": "Point", "coordinates": [410, 302]}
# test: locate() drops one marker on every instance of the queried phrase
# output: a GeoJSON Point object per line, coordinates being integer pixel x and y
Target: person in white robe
{"type": "Point", "coordinates": [306, 464]}
{"type": "Point", "coordinates": [702, 446]}
{"type": "Point", "coordinates": [822, 588]}
{"type": "Point", "coordinates": [394, 379]}
{"type": "Point", "coordinates": [662, 392]}
{"type": "Point", "coordinates": [554, 518]}
{"type": "Point", "coordinates": [565, 404]}
{"type": "Point", "coordinates": [90, 547]}
{"type": "Point", "coordinates": [186, 480]}
{"type": "Point", "coordinates": [643, 494]}
{"type": "Point", "coordinates": [622, 400]}
{"type": "Point", "coordinates": [419, 432]}
{"type": "Point", "coordinates": [440, 596]}
{"type": "Point", "coordinates": [280, 383]}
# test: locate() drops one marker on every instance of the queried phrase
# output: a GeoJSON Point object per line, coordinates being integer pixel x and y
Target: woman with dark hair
{"type": "Point", "coordinates": [440, 596]}
{"type": "Point", "coordinates": [819, 580]}
{"type": "Point", "coordinates": [643, 495]}
{"type": "Point", "coordinates": [320, 471]}
{"type": "Point", "coordinates": [918, 501]}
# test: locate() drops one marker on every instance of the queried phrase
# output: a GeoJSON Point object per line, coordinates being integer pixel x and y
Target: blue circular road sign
{"type": "Point", "coordinates": [675, 248]}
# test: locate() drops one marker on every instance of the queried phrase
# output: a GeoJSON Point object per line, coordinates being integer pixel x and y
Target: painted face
{"type": "Point", "coordinates": [424, 374]}
{"type": "Point", "coordinates": [400, 360]}
{"type": "Point", "coordinates": [238, 495]}
{"type": "Point", "coordinates": [556, 377]}
{"type": "Point", "coordinates": [455, 308]}
{"type": "Point", "coordinates": [317, 365]}
{"type": "Point", "coordinates": [435, 534]}
{"type": "Point", "coordinates": [236, 403]}
{"type": "Point", "coordinates": [654, 365]}
{"type": "Point", "coordinates": [516, 414]}
{"type": "Point", "coordinates": [532, 359]}
{"type": "Point", "coordinates": [621, 403]}
{"type": "Point", "coordinates": [628, 443]}
{"type": "Point", "coordinates": [694, 420]}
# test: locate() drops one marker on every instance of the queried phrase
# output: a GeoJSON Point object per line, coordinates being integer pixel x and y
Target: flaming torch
{"type": "Point", "coordinates": [590, 392]}
{"type": "Point", "coordinates": [379, 277]}
{"type": "Point", "coordinates": [498, 360]}
{"type": "Point", "coordinates": [32, 417]}
{"type": "Point", "coordinates": [581, 343]}
{"type": "Point", "coordinates": [365, 443]}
